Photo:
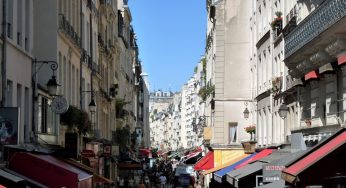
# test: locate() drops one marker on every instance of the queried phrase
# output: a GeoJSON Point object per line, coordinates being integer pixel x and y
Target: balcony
{"type": "Point", "coordinates": [317, 22]}
{"type": "Point", "coordinates": [67, 28]}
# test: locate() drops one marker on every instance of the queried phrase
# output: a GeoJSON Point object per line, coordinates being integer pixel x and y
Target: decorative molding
{"type": "Point", "coordinates": [320, 58]}
{"type": "Point", "coordinates": [336, 47]}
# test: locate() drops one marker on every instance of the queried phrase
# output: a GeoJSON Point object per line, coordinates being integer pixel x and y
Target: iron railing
{"type": "Point", "coordinates": [314, 24]}
{"type": "Point", "coordinates": [68, 29]}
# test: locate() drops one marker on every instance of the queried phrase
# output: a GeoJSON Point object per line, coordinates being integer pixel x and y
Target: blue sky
{"type": "Point", "coordinates": [171, 39]}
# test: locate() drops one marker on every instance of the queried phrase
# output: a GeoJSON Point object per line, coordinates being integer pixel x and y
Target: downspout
{"type": "Point", "coordinates": [4, 58]}
{"type": "Point", "coordinates": [82, 58]}
{"type": "Point", "coordinates": [83, 55]}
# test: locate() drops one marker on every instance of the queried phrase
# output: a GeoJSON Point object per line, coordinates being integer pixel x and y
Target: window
{"type": "Point", "coordinates": [232, 133]}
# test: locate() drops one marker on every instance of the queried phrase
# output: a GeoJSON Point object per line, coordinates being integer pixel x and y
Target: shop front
{"type": "Point", "coordinates": [323, 165]}
{"type": "Point", "coordinates": [61, 174]}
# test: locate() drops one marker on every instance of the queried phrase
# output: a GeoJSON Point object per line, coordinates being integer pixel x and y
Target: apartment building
{"type": "Point", "coordinates": [17, 43]}
{"type": "Point", "coordinates": [89, 47]}
{"type": "Point", "coordinates": [227, 73]}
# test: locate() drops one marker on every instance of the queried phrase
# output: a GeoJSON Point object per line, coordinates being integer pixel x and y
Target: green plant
{"type": "Point", "coordinates": [206, 91]}
{"type": "Point", "coordinates": [76, 118]}
{"type": "Point", "coordinates": [278, 14]}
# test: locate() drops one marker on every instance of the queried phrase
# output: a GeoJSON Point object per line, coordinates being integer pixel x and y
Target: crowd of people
{"type": "Point", "coordinates": [160, 175]}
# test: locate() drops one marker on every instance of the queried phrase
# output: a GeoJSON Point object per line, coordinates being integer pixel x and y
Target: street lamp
{"type": "Point", "coordinates": [92, 106]}
{"type": "Point", "coordinates": [283, 110]}
{"type": "Point", "coordinates": [52, 84]}
{"type": "Point", "coordinates": [246, 112]}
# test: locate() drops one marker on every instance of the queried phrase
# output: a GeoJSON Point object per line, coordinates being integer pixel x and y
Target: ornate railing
{"type": "Point", "coordinates": [314, 24]}
{"type": "Point", "coordinates": [68, 29]}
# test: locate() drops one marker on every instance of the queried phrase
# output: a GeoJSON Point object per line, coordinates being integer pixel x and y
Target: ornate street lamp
{"type": "Point", "coordinates": [52, 84]}
{"type": "Point", "coordinates": [246, 112]}
{"type": "Point", "coordinates": [283, 110]}
{"type": "Point", "coordinates": [92, 105]}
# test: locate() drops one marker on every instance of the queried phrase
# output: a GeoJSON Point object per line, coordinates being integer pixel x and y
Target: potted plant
{"type": "Point", "coordinates": [249, 146]}
{"type": "Point", "coordinates": [277, 22]}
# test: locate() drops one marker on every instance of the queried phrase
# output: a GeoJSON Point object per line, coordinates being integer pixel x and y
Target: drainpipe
{"type": "Point", "coordinates": [82, 56]}
{"type": "Point", "coordinates": [4, 58]}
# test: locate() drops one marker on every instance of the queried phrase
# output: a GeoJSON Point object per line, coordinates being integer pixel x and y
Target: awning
{"type": "Point", "coordinates": [311, 75]}
{"type": "Point", "coordinates": [235, 176]}
{"type": "Point", "coordinates": [315, 154]}
{"type": "Point", "coordinates": [256, 157]}
{"type": "Point", "coordinates": [327, 68]}
{"type": "Point", "coordinates": [218, 175]}
{"type": "Point", "coordinates": [342, 59]}
{"type": "Point", "coordinates": [192, 159]}
{"type": "Point", "coordinates": [206, 163]}
{"type": "Point", "coordinates": [230, 162]}
{"type": "Point", "coordinates": [10, 180]}
{"type": "Point", "coordinates": [280, 183]}
{"type": "Point", "coordinates": [96, 178]}
{"type": "Point", "coordinates": [36, 167]}
{"type": "Point", "coordinates": [145, 152]}
{"type": "Point", "coordinates": [278, 161]}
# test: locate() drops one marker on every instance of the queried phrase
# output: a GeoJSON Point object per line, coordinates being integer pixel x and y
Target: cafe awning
{"type": "Point", "coordinates": [256, 157]}
{"type": "Point", "coordinates": [236, 175]}
{"type": "Point", "coordinates": [218, 175]}
{"type": "Point", "coordinates": [36, 167]}
{"type": "Point", "coordinates": [233, 159]}
{"type": "Point", "coordinates": [330, 150]}
{"type": "Point", "coordinates": [206, 162]}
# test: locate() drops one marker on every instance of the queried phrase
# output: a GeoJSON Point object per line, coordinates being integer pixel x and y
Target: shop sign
{"type": "Point", "coordinates": [272, 172]}
{"type": "Point", "coordinates": [87, 153]}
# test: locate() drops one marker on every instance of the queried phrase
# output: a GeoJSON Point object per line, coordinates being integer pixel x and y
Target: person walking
{"type": "Point", "coordinates": [121, 182]}
{"type": "Point", "coordinates": [163, 181]}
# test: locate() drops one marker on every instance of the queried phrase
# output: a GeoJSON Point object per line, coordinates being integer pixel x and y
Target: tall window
{"type": "Point", "coordinates": [232, 132]}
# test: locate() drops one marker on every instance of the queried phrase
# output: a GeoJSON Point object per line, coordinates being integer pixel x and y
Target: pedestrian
{"type": "Point", "coordinates": [146, 180]}
{"type": "Point", "coordinates": [141, 184]}
{"type": "Point", "coordinates": [163, 181]}
{"type": "Point", "coordinates": [121, 182]}
{"type": "Point", "coordinates": [131, 182]}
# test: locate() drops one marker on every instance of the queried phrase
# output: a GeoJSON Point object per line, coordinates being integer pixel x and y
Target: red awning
{"type": "Point", "coordinates": [256, 157]}
{"type": "Point", "coordinates": [342, 59]}
{"type": "Point", "coordinates": [48, 170]}
{"type": "Point", "coordinates": [206, 163]}
{"type": "Point", "coordinates": [291, 172]}
{"type": "Point", "coordinates": [145, 152]}
{"type": "Point", "coordinates": [311, 75]}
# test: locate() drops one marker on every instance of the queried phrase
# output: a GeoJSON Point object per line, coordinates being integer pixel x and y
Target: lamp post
{"type": "Point", "coordinates": [52, 87]}
{"type": "Point", "coordinates": [283, 110]}
{"type": "Point", "coordinates": [246, 112]}
{"type": "Point", "coordinates": [92, 108]}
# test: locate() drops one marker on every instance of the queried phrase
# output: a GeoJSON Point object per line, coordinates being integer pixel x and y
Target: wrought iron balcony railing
{"type": "Point", "coordinates": [65, 25]}
{"type": "Point", "coordinates": [326, 15]}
